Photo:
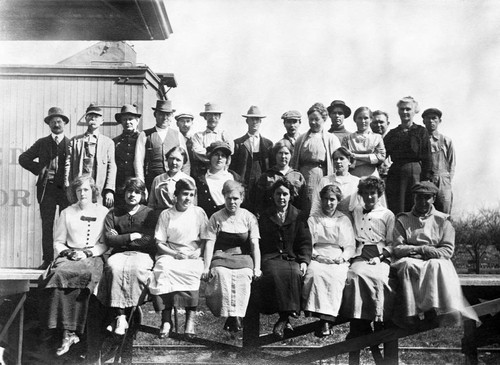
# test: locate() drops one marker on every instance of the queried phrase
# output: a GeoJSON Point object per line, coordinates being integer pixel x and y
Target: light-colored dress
{"type": "Point", "coordinates": [228, 288]}
{"type": "Point", "coordinates": [367, 294]}
{"type": "Point", "coordinates": [367, 143]}
{"type": "Point", "coordinates": [324, 283]}
{"type": "Point", "coordinates": [162, 191]}
{"type": "Point", "coordinates": [429, 282]}
{"type": "Point", "coordinates": [348, 185]}
{"type": "Point", "coordinates": [182, 232]}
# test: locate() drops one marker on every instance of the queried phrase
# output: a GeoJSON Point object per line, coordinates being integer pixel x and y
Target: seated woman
{"type": "Point", "coordinates": [162, 194]}
{"type": "Point", "coordinates": [347, 183]}
{"type": "Point", "coordinates": [77, 267]}
{"type": "Point", "coordinates": [286, 251]}
{"type": "Point", "coordinates": [129, 231]}
{"type": "Point", "coordinates": [178, 268]}
{"type": "Point", "coordinates": [232, 258]}
{"type": "Point", "coordinates": [209, 185]}
{"type": "Point", "coordinates": [367, 148]}
{"type": "Point", "coordinates": [333, 246]}
{"type": "Point", "coordinates": [367, 294]}
{"type": "Point", "coordinates": [424, 242]}
{"type": "Point", "coordinates": [282, 151]}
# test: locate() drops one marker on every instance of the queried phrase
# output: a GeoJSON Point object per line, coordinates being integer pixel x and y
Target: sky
{"type": "Point", "coordinates": [284, 54]}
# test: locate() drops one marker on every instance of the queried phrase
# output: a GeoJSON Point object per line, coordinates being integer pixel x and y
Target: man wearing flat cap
{"type": "Point", "coordinates": [125, 144]}
{"type": "Point", "coordinates": [152, 145]}
{"type": "Point", "coordinates": [51, 153]}
{"type": "Point", "coordinates": [252, 155]}
{"type": "Point", "coordinates": [201, 140]}
{"type": "Point", "coordinates": [443, 159]}
{"type": "Point", "coordinates": [92, 153]}
{"type": "Point", "coordinates": [291, 121]}
{"type": "Point", "coordinates": [338, 111]}
{"type": "Point", "coordinates": [185, 123]}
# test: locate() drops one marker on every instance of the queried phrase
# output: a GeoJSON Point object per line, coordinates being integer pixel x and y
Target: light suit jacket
{"type": "Point", "coordinates": [105, 162]}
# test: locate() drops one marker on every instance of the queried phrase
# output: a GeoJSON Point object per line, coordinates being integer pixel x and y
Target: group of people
{"type": "Point", "coordinates": [305, 224]}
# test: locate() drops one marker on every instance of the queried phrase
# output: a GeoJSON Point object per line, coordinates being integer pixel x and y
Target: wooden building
{"type": "Point", "coordinates": [106, 74]}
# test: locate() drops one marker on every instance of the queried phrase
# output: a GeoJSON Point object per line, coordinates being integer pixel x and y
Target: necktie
{"type": "Point", "coordinates": [56, 139]}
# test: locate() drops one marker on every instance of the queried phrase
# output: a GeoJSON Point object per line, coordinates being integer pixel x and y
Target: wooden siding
{"type": "Point", "coordinates": [26, 99]}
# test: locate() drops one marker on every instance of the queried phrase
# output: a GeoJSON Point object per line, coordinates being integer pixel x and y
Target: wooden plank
{"type": "Point", "coordinates": [490, 307]}
{"type": "Point", "coordinates": [19, 274]}
{"type": "Point", "coordinates": [479, 280]}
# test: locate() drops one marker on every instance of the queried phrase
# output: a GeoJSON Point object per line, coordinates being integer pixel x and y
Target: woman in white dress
{"type": "Point", "coordinates": [333, 246]}
{"type": "Point", "coordinates": [179, 266]}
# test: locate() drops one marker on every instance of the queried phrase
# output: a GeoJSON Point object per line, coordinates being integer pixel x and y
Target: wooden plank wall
{"type": "Point", "coordinates": [25, 102]}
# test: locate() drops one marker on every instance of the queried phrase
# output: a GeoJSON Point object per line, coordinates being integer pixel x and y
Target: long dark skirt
{"type": "Point", "coordinates": [279, 288]}
{"type": "Point", "coordinates": [66, 289]}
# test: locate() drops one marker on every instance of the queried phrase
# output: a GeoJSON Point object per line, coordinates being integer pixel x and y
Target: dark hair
{"type": "Point", "coordinates": [280, 144]}
{"type": "Point", "coordinates": [380, 112]}
{"type": "Point", "coordinates": [79, 181]}
{"type": "Point", "coordinates": [362, 109]}
{"type": "Point", "coordinates": [231, 185]}
{"type": "Point", "coordinates": [371, 182]}
{"type": "Point", "coordinates": [137, 186]}
{"type": "Point", "coordinates": [285, 183]}
{"type": "Point", "coordinates": [331, 188]}
{"type": "Point", "coordinates": [320, 108]}
{"type": "Point", "coordinates": [344, 152]}
{"type": "Point", "coordinates": [184, 184]}
{"type": "Point", "coordinates": [181, 150]}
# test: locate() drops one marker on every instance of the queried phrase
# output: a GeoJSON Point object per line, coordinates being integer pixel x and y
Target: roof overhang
{"type": "Point", "coordinates": [106, 20]}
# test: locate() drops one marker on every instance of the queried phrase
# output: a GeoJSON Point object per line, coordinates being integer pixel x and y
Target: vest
{"type": "Point", "coordinates": [156, 149]}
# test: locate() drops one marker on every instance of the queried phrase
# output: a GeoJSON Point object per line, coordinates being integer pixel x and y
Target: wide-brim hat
{"type": "Point", "coordinates": [424, 187]}
{"type": "Point", "coordinates": [291, 114]}
{"type": "Point", "coordinates": [340, 104]}
{"type": "Point", "coordinates": [184, 115]}
{"type": "Point", "coordinates": [93, 109]}
{"type": "Point", "coordinates": [219, 145]}
{"type": "Point", "coordinates": [56, 112]}
{"type": "Point", "coordinates": [432, 111]}
{"type": "Point", "coordinates": [211, 108]}
{"type": "Point", "coordinates": [130, 109]}
{"type": "Point", "coordinates": [254, 112]}
{"type": "Point", "coordinates": [164, 106]}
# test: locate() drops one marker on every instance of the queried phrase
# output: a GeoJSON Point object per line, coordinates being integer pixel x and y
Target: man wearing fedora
{"type": "Point", "coordinates": [92, 153]}
{"type": "Point", "coordinates": [154, 143]}
{"type": "Point", "coordinates": [291, 121]}
{"type": "Point", "coordinates": [252, 155]}
{"type": "Point", "coordinates": [184, 122]}
{"type": "Point", "coordinates": [443, 159]}
{"type": "Point", "coordinates": [51, 154]}
{"type": "Point", "coordinates": [125, 143]}
{"type": "Point", "coordinates": [201, 140]}
{"type": "Point", "coordinates": [338, 111]}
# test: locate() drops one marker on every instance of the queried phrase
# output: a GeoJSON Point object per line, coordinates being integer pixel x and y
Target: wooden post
{"type": "Point", "coordinates": [251, 322]}
{"type": "Point", "coordinates": [391, 352]}
{"type": "Point", "coordinates": [469, 345]}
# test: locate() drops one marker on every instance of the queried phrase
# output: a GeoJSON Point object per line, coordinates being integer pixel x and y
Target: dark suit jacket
{"type": "Point", "coordinates": [42, 150]}
{"type": "Point", "coordinates": [105, 158]}
{"type": "Point", "coordinates": [242, 159]}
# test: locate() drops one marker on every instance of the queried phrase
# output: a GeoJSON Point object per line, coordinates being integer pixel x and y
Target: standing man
{"type": "Point", "coordinates": [93, 153]}
{"type": "Point", "coordinates": [184, 123]}
{"type": "Point", "coordinates": [380, 125]}
{"type": "Point", "coordinates": [202, 140]}
{"type": "Point", "coordinates": [409, 148]}
{"type": "Point", "coordinates": [51, 154]}
{"type": "Point", "coordinates": [338, 111]}
{"type": "Point", "coordinates": [443, 160]}
{"type": "Point", "coordinates": [125, 148]}
{"type": "Point", "coordinates": [291, 121]}
{"type": "Point", "coordinates": [154, 143]}
{"type": "Point", "coordinates": [252, 155]}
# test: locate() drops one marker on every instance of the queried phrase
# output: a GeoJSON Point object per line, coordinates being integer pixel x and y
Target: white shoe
{"type": "Point", "coordinates": [121, 325]}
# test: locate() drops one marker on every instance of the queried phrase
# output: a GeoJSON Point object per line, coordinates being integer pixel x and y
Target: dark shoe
{"type": "Point", "coordinates": [228, 324]}
{"type": "Point", "coordinates": [238, 324]}
{"type": "Point", "coordinates": [165, 330]}
{"type": "Point", "coordinates": [279, 329]}
{"type": "Point", "coordinates": [45, 264]}
{"type": "Point", "coordinates": [69, 339]}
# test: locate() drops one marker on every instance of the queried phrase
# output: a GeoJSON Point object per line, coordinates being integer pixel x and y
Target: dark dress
{"type": "Point", "coordinates": [283, 247]}
{"type": "Point", "coordinates": [205, 200]}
